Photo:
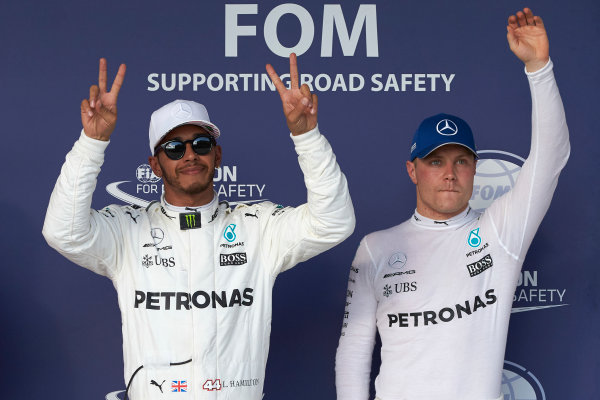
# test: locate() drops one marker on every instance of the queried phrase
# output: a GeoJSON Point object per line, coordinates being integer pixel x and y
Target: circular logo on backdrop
{"type": "Point", "coordinates": [496, 174]}
{"type": "Point", "coordinates": [446, 127]}
{"type": "Point", "coordinates": [118, 395]}
{"type": "Point", "coordinates": [145, 174]}
{"type": "Point", "coordinates": [520, 384]}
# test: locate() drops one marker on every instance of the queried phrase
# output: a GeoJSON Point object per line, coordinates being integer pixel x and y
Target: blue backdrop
{"type": "Point", "coordinates": [61, 331]}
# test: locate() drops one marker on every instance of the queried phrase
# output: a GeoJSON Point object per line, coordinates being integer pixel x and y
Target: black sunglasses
{"type": "Point", "coordinates": [175, 149]}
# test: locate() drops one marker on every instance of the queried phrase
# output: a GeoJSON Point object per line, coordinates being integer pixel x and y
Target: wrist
{"type": "Point", "coordinates": [91, 144]}
{"type": "Point", "coordinates": [103, 138]}
{"type": "Point", "coordinates": [298, 132]}
{"type": "Point", "coordinates": [535, 65]}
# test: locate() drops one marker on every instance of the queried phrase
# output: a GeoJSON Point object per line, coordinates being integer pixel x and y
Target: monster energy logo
{"type": "Point", "coordinates": [189, 221]}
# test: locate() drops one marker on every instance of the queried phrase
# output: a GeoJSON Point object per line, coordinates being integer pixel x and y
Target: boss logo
{"type": "Point", "coordinates": [233, 259]}
{"type": "Point", "coordinates": [481, 265]}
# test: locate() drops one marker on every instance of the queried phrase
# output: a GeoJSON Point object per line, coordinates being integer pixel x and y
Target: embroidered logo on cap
{"type": "Point", "coordinates": [182, 111]}
{"type": "Point", "coordinates": [446, 127]}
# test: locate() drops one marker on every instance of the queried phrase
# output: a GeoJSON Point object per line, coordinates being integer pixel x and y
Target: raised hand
{"type": "Point", "coordinates": [299, 105]}
{"type": "Point", "coordinates": [99, 112]}
{"type": "Point", "coordinates": [527, 38]}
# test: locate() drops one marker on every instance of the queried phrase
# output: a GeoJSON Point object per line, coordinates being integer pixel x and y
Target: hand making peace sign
{"type": "Point", "coordinates": [299, 105]}
{"type": "Point", "coordinates": [99, 112]}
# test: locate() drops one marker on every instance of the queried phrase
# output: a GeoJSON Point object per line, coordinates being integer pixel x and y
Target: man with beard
{"type": "Point", "coordinates": [194, 278]}
{"type": "Point", "coordinates": [439, 287]}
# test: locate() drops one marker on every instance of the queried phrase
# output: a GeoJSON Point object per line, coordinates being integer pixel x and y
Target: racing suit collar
{"type": "Point", "coordinates": [208, 213]}
{"type": "Point", "coordinates": [458, 220]}
{"type": "Point", "coordinates": [180, 209]}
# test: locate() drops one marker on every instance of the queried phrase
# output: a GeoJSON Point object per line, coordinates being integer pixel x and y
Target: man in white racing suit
{"type": "Point", "coordinates": [194, 278]}
{"type": "Point", "coordinates": [439, 287]}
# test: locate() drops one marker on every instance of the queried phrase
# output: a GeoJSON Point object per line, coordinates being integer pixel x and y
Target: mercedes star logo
{"type": "Point", "coordinates": [157, 234]}
{"type": "Point", "coordinates": [397, 258]}
{"type": "Point", "coordinates": [182, 111]}
{"type": "Point", "coordinates": [446, 127]}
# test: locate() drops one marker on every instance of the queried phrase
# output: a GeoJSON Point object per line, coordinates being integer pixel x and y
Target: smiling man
{"type": "Point", "coordinates": [439, 287]}
{"type": "Point", "coordinates": [194, 278]}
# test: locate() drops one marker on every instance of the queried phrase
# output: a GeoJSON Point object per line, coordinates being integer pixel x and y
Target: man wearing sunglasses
{"type": "Point", "coordinates": [194, 277]}
{"type": "Point", "coordinates": [439, 287]}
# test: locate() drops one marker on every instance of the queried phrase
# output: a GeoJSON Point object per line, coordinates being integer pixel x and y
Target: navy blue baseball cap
{"type": "Point", "coordinates": [439, 130]}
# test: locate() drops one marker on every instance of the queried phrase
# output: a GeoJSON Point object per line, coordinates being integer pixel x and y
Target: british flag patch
{"type": "Point", "coordinates": [178, 386]}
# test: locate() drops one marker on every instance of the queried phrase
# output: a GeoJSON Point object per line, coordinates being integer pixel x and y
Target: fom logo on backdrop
{"type": "Point", "coordinates": [497, 172]}
{"type": "Point", "coordinates": [148, 187]}
{"type": "Point", "coordinates": [334, 21]}
{"type": "Point", "coordinates": [519, 384]}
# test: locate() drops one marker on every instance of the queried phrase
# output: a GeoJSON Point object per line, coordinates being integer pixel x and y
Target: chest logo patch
{"type": "Point", "coordinates": [397, 260]}
{"type": "Point", "coordinates": [474, 240]}
{"type": "Point", "coordinates": [480, 265]}
{"type": "Point", "coordinates": [387, 290]}
{"type": "Point", "coordinates": [229, 233]}
{"type": "Point", "coordinates": [157, 234]}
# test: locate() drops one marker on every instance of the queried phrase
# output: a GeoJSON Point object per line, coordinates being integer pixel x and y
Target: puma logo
{"type": "Point", "coordinates": [132, 217]}
{"type": "Point", "coordinates": [153, 382]}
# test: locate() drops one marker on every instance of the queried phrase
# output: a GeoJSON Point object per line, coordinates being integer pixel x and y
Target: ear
{"type": "Point", "coordinates": [218, 154]}
{"type": "Point", "coordinates": [411, 170]}
{"type": "Point", "coordinates": [155, 165]}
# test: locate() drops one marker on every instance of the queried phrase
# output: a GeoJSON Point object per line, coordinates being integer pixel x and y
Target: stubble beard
{"type": "Point", "coordinates": [193, 189]}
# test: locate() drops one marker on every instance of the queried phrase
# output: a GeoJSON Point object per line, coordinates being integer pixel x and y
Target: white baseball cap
{"type": "Point", "coordinates": [177, 113]}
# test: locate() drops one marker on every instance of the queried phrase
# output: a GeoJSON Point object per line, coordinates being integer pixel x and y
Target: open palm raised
{"type": "Point", "coordinates": [527, 38]}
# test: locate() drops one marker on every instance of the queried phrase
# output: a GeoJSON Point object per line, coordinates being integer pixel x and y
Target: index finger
{"type": "Point", "coordinates": [118, 82]}
{"type": "Point", "coordinates": [275, 79]}
{"type": "Point", "coordinates": [102, 75]}
{"type": "Point", "coordinates": [294, 71]}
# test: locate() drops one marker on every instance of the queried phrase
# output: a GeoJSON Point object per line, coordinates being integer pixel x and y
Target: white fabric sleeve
{"type": "Point", "coordinates": [517, 215]}
{"type": "Point", "coordinates": [355, 349]}
{"type": "Point", "coordinates": [85, 236]}
{"type": "Point", "coordinates": [326, 219]}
